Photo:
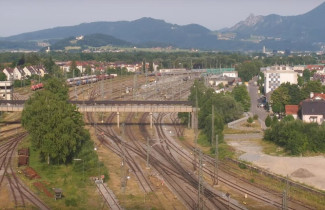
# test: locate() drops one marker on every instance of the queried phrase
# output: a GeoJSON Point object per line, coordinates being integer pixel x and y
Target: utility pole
{"type": "Point", "coordinates": [195, 126]}
{"type": "Point", "coordinates": [285, 196]}
{"type": "Point", "coordinates": [148, 152]}
{"type": "Point", "coordinates": [284, 200]}
{"type": "Point", "coordinates": [111, 89]}
{"type": "Point", "coordinates": [216, 165]}
{"type": "Point", "coordinates": [287, 186]}
{"type": "Point", "coordinates": [102, 88]}
{"type": "Point", "coordinates": [123, 176]}
{"type": "Point", "coordinates": [134, 85]}
{"type": "Point", "coordinates": [201, 180]}
{"type": "Point", "coordinates": [212, 124]}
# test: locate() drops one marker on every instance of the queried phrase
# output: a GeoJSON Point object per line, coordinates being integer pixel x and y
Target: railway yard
{"type": "Point", "coordinates": [149, 167]}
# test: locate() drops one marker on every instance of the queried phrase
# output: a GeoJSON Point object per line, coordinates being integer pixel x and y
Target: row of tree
{"type": "Point", "coordinates": [296, 136]}
{"type": "Point", "coordinates": [227, 107]}
{"type": "Point", "coordinates": [197, 60]}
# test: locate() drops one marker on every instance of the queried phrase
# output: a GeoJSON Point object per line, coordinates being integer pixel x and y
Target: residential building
{"type": "Point", "coordinates": [313, 111]}
{"type": "Point", "coordinates": [317, 96]}
{"type": "Point", "coordinates": [9, 72]}
{"type": "Point", "coordinates": [292, 110]}
{"type": "Point", "coordinates": [315, 67]}
{"type": "Point", "coordinates": [18, 73]}
{"type": "Point", "coordinates": [277, 75]}
{"type": "Point", "coordinates": [230, 74]}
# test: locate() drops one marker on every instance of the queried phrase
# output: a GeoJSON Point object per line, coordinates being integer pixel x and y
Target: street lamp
{"type": "Point", "coordinates": [83, 167]}
{"type": "Point", "coordinates": [98, 163]}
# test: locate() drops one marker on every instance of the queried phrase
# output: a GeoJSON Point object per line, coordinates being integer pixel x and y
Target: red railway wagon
{"type": "Point", "coordinates": [37, 86]}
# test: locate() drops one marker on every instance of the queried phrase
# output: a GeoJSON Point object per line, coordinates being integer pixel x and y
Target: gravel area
{"type": "Point", "coordinates": [308, 170]}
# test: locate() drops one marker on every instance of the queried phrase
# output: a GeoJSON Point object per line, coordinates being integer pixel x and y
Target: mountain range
{"type": "Point", "coordinates": [301, 32]}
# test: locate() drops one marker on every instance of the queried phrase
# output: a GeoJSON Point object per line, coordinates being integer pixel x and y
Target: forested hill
{"type": "Point", "coordinates": [138, 31]}
{"type": "Point", "coordinates": [301, 33]}
{"type": "Point", "coordinates": [93, 40]}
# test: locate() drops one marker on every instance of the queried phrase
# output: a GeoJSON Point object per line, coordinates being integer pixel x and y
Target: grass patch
{"type": "Point", "coordinates": [271, 149]}
{"type": "Point", "coordinates": [238, 131]}
{"type": "Point", "coordinates": [203, 140]}
{"type": "Point", "coordinates": [79, 192]}
{"type": "Point", "coordinates": [181, 138]}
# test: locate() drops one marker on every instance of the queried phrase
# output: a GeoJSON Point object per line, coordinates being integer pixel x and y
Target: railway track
{"type": "Point", "coordinates": [232, 180]}
{"type": "Point", "coordinates": [169, 171]}
{"type": "Point", "coordinates": [21, 194]}
{"type": "Point", "coordinates": [110, 199]}
{"type": "Point", "coordinates": [212, 199]}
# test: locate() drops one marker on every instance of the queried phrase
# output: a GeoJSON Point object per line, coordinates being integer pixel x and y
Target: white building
{"type": "Point", "coordinates": [9, 72]}
{"type": "Point", "coordinates": [18, 73]}
{"type": "Point", "coordinates": [230, 74]}
{"type": "Point", "coordinates": [6, 90]}
{"type": "Point", "coordinates": [276, 76]}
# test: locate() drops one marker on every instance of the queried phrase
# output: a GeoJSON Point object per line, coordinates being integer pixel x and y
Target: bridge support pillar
{"type": "Point", "coordinates": [118, 119]}
{"type": "Point", "coordinates": [189, 121]}
{"type": "Point", "coordinates": [194, 120]}
{"type": "Point", "coordinates": [150, 119]}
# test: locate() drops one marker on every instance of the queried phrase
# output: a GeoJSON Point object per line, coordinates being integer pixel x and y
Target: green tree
{"type": "Point", "coordinates": [274, 120]}
{"type": "Point", "coordinates": [151, 66]}
{"type": "Point", "coordinates": [268, 121]}
{"type": "Point", "coordinates": [241, 95]}
{"type": "Point", "coordinates": [294, 93]}
{"type": "Point", "coordinates": [280, 97]}
{"type": "Point", "coordinates": [306, 75]}
{"type": "Point", "coordinates": [3, 76]}
{"type": "Point", "coordinates": [250, 120]}
{"type": "Point", "coordinates": [300, 81]}
{"type": "Point", "coordinates": [49, 65]}
{"type": "Point", "coordinates": [55, 126]}
{"type": "Point", "coordinates": [248, 70]}
{"type": "Point", "coordinates": [311, 86]}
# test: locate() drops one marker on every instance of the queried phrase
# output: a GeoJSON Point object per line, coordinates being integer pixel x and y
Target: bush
{"type": "Point", "coordinates": [255, 117]}
{"type": "Point", "coordinates": [250, 120]}
{"type": "Point", "coordinates": [242, 166]}
{"type": "Point", "coordinates": [268, 121]}
{"type": "Point", "coordinates": [297, 137]}
{"type": "Point", "coordinates": [71, 202]}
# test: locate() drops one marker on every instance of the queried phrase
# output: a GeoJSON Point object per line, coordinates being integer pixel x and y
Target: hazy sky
{"type": "Point", "coordinates": [18, 16]}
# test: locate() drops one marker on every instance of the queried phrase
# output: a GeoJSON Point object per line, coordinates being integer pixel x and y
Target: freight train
{"type": "Point", "coordinates": [88, 79]}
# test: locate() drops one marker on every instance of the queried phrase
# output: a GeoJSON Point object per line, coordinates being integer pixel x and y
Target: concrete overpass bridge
{"type": "Point", "coordinates": [118, 107]}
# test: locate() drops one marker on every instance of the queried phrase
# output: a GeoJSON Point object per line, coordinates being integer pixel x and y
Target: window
{"type": "Point", "coordinates": [313, 119]}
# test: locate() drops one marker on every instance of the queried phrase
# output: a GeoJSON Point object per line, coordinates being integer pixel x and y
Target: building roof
{"type": "Point", "coordinates": [318, 96]}
{"type": "Point", "coordinates": [9, 70]}
{"type": "Point", "coordinates": [315, 67]}
{"type": "Point", "coordinates": [313, 107]}
{"type": "Point", "coordinates": [291, 109]}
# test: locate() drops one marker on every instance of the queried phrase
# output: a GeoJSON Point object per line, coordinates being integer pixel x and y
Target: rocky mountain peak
{"type": "Point", "coordinates": [250, 21]}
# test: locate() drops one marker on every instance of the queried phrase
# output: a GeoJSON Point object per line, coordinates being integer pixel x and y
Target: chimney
{"type": "Point", "coordinates": [311, 94]}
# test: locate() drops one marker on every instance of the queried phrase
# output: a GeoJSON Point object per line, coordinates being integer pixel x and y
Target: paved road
{"type": "Point", "coordinates": [253, 93]}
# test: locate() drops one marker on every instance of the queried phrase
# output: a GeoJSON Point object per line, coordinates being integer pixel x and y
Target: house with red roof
{"type": "Point", "coordinates": [292, 110]}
